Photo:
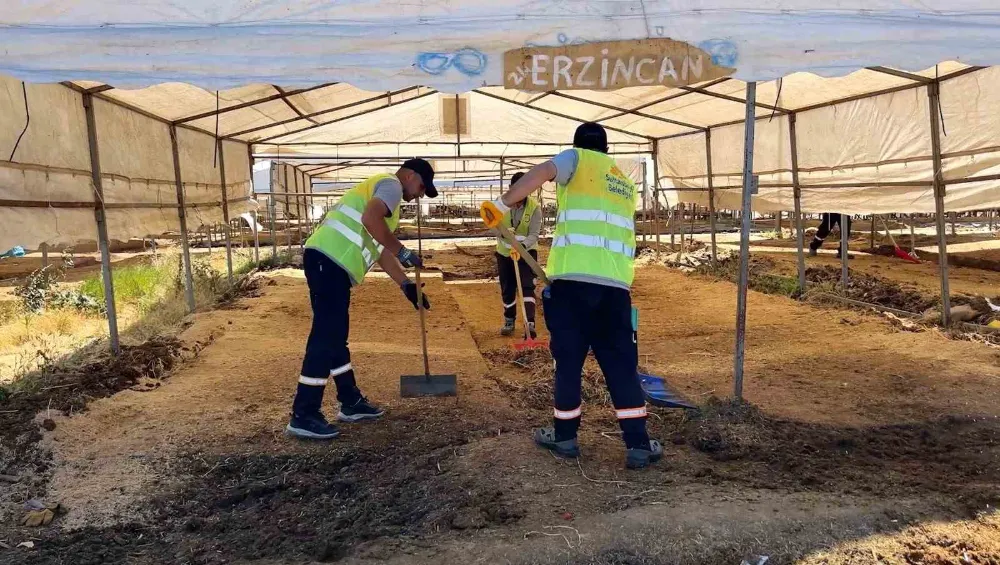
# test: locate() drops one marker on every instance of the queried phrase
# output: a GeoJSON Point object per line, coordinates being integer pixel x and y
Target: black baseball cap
{"type": "Point", "coordinates": [426, 172]}
{"type": "Point", "coordinates": [591, 136]}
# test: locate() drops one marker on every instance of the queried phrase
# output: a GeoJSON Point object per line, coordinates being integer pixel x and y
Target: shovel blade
{"type": "Point", "coordinates": [415, 386]}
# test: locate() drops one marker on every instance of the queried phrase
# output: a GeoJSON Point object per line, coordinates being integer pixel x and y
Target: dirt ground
{"type": "Point", "coordinates": [862, 444]}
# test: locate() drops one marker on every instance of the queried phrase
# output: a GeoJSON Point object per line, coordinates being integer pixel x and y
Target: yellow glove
{"type": "Point", "coordinates": [492, 212]}
{"type": "Point", "coordinates": [515, 255]}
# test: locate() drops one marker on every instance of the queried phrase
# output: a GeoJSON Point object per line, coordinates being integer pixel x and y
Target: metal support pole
{"type": "Point", "coordinates": [871, 243]}
{"type": "Point", "coordinates": [954, 216]}
{"type": "Point", "coordinates": [934, 93]}
{"type": "Point", "coordinates": [656, 197]}
{"type": "Point", "coordinates": [225, 213]}
{"type": "Point", "coordinates": [741, 292]}
{"type": "Point", "coordinates": [680, 209]}
{"type": "Point", "coordinates": [845, 238]}
{"type": "Point", "coordinates": [298, 210]}
{"type": "Point", "coordinates": [182, 216]}
{"type": "Point", "coordinates": [100, 216]}
{"type": "Point", "coordinates": [645, 193]}
{"type": "Point", "coordinates": [272, 211]}
{"type": "Point", "coordinates": [711, 193]}
{"type": "Point", "coordinates": [45, 254]}
{"type": "Point", "coordinates": [797, 195]}
{"type": "Point", "coordinates": [288, 213]}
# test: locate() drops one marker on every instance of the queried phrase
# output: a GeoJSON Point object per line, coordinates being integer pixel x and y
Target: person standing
{"type": "Point", "coordinates": [826, 225]}
{"type": "Point", "coordinates": [589, 305]}
{"type": "Point", "coordinates": [524, 220]}
{"type": "Point", "coordinates": [355, 234]}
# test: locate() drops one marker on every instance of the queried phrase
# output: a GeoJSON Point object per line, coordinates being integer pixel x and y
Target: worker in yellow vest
{"type": "Point", "coordinates": [588, 305]}
{"type": "Point", "coordinates": [524, 220]}
{"type": "Point", "coordinates": [353, 236]}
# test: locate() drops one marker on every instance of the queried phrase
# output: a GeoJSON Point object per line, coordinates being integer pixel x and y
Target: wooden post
{"type": "Point", "coordinates": [797, 195]}
{"type": "Point", "coordinates": [711, 193]}
{"type": "Point", "coordinates": [45, 254]}
{"type": "Point", "coordinates": [272, 212]}
{"type": "Point", "coordinates": [225, 213]}
{"type": "Point", "coordinates": [741, 292]}
{"type": "Point", "coordinates": [934, 93]}
{"type": "Point", "coordinates": [100, 216]}
{"type": "Point", "coordinates": [694, 215]}
{"type": "Point", "coordinates": [182, 216]}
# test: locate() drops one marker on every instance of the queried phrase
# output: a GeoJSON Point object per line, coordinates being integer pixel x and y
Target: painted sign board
{"type": "Point", "coordinates": [609, 65]}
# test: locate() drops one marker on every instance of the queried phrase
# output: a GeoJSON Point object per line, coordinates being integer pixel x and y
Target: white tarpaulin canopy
{"type": "Point", "coordinates": [344, 90]}
{"type": "Point", "coordinates": [457, 45]}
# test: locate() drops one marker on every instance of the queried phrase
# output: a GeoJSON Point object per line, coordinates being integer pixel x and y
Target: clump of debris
{"type": "Point", "coordinates": [725, 429]}
{"type": "Point", "coordinates": [535, 388]}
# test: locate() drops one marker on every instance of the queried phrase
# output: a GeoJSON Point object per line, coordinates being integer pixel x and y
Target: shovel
{"type": "Point", "coordinates": [412, 386]}
{"type": "Point", "coordinates": [528, 342]}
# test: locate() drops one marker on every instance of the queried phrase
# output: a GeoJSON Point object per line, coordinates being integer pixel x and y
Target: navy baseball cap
{"type": "Point", "coordinates": [426, 172]}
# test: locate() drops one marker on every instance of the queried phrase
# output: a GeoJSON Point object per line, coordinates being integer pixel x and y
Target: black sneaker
{"type": "Point", "coordinates": [360, 410]}
{"type": "Point", "coordinates": [508, 327]}
{"type": "Point", "coordinates": [546, 437]}
{"type": "Point", "coordinates": [638, 458]}
{"type": "Point", "coordinates": [312, 426]}
{"type": "Point", "coordinates": [531, 330]}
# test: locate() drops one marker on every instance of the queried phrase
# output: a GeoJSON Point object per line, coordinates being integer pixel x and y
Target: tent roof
{"type": "Point", "coordinates": [390, 45]}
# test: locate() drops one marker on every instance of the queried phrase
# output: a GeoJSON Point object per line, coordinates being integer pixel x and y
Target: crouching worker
{"type": "Point", "coordinates": [524, 220]}
{"type": "Point", "coordinates": [354, 235]}
{"type": "Point", "coordinates": [589, 304]}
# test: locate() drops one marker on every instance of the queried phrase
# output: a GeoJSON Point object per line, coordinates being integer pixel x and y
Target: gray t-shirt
{"type": "Point", "coordinates": [566, 163]}
{"type": "Point", "coordinates": [389, 191]}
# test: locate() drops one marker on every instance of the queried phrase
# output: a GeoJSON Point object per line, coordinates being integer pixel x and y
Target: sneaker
{"type": "Point", "coordinates": [312, 426]}
{"type": "Point", "coordinates": [508, 327]}
{"type": "Point", "coordinates": [546, 437]}
{"type": "Point", "coordinates": [531, 330]}
{"type": "Point", "coordinates": [639, 458]}
{"type": "Point", "coordinates": [360, 410]}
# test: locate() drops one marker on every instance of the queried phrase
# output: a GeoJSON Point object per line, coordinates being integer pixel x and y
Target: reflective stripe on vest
{"type": "Point", "coordinates": [596, 216]}
{"type": "Point", "coordinates": [595, 226]}
{"type": "Point", "coordinates": [521, 232]}
{"type": "Point", "coordinates": [597, 241]}
{"type": "Point", "coordinates": [342, 235]}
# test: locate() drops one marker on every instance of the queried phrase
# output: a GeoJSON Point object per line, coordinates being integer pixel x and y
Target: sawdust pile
{"type": "Point", "coordinates": [534, 386]}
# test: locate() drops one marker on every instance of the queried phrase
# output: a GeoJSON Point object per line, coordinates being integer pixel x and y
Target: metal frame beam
{"type": "Point", "coordinates": [557, 114]}
{"type": "Point", "coordinates": [665, 99]}
{"type": "Point", "coordinates": [388, 96]}
{"type": "Point", "coordinates": [901, 74]}
{"type": "Point", "coordinates": [368, 100]}
{"type": "Point", "coordinates": [251, 103]}
{"type": "Point", "coordinates": [701, 90]}
{"type": "Point", "coordinates": [629, 112]}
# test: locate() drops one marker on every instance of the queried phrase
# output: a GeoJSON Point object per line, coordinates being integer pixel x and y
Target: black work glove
{"type": "Point", "coordinates": [409, 259]}
{"type": "Point", "coordinates": [410, 290]}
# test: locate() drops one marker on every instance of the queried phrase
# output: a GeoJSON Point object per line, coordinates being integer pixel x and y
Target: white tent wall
{"type": "Point", "coordinates": [51, 164]}
{"type": "Point", "coordinates": [870, 155]}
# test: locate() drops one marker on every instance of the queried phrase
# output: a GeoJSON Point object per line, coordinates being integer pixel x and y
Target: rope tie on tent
{"type": "Point", "coordinates": [27, 121]}
{"type": "Point", "coordinates": [944, 130]}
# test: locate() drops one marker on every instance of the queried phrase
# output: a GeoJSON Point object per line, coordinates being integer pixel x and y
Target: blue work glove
{"type": "Point", "coordinates": [409, 259]}
{"type": "Point", "coordinates": [410, 290]}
